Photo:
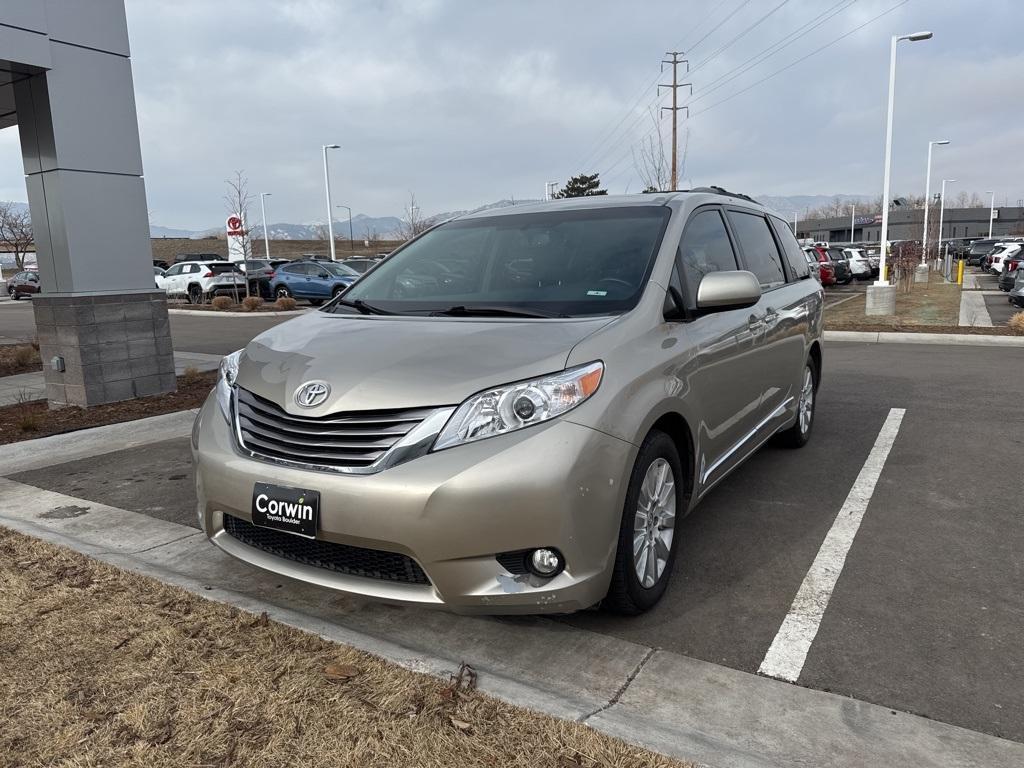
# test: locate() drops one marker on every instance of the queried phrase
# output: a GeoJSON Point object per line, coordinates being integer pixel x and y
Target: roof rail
{"type": "Point", "coordinates": [720, 191]}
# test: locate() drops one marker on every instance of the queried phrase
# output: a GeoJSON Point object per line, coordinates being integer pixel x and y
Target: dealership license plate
{"type": "Point", "coordinates": [295, 510]}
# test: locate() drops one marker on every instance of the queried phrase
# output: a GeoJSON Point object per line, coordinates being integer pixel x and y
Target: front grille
{"type": "Point", "coordinates": [353, 439]}
{"type": "Point", "coordinates": [340, 558]}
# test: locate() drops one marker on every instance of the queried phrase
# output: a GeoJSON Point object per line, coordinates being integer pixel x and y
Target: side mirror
{"type": "Point", "coordinates": [720, 291]}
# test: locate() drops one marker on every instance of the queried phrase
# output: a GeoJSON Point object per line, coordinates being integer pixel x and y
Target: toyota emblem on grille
{"type": "Point", "coordinates": [312, 393]}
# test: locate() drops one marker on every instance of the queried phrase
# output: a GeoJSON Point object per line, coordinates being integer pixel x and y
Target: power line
{"type": "Point", "coordinates": [650, 85]}
{"type": "Point", "coordinates": [803, 58]}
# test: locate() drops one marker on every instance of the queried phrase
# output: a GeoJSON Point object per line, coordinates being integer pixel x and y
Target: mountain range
{"type": "Point", "coordinates": [388, 227]}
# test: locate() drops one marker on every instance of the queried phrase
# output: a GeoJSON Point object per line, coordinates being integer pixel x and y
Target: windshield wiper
{"type": "Point", "coordinates": [363, 307]}
{"type": "Point", "coordinates": [494, 311]}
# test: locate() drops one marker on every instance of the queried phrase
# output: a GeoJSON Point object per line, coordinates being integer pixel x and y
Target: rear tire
{"type": "Point", "coordinates": [799, 434]}
{"type": "Point", "coordinates": [13, 293]}
{"type": "Point", "coordinates": [647, 529]}
{"type": "Point", "coordinates": [282, 292]}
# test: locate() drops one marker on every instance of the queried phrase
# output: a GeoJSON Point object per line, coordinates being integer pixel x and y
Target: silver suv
{"type": "Point", "coordinates": [512, 411]}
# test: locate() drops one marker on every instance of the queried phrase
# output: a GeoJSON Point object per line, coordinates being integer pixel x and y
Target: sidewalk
{"type": "Point", "coordinates": [30, 386]}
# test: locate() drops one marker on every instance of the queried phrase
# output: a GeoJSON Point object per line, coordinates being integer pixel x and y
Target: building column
{"type": "Point", "coordinates": [103, 328]}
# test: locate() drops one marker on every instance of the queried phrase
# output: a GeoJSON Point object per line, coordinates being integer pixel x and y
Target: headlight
{"type": "Point", "coordinates": [226, 382]}
{"type": "Point", "coordinates": [523, 404]}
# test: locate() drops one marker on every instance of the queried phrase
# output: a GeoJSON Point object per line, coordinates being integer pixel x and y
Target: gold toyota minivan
{"type": "Point", "coordinates": [510, 413]}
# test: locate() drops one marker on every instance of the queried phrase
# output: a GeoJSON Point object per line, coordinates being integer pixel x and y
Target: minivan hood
{"type": "Point", "coordinates": [381, 362]}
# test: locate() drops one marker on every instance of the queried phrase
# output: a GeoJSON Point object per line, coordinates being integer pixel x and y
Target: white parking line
{"type": "Point", "coordinates": [786, 656]}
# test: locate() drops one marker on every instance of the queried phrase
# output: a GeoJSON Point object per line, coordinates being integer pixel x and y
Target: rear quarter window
{"type": "Point", "coordinates": [795, 255]}
{"type": "Point", "coordinates": [757, 245]}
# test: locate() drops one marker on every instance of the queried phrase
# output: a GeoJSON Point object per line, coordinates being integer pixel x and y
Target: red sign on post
{"type": "Point", "coordinates": [234, 226]}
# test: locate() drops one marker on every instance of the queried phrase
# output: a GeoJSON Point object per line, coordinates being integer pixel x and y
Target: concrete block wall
{"type": "Point", "coordinates": [114, 347]}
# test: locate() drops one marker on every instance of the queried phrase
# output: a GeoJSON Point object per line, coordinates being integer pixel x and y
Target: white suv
{"type": "Point", "coordinates": [999, 256]}
{"type": "Point", "coordinates": [200, 281]}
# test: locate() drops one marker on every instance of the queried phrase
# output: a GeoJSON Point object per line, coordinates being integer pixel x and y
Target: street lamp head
{"type": "Point", "coordinates": [914, 37]}
{"type": "Point", "coordinates": [332, 146]}
{"type": "Point", "coordinates": [948, 181]}
{"type": "Point", "coordinates": [944, 141]}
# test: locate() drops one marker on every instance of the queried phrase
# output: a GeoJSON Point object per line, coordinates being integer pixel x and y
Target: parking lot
{"type": "Point", "coordinates": [927, 614]}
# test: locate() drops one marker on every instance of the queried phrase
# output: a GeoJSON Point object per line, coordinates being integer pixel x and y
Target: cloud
{"type": "Point", "coordinates": [467, 102]}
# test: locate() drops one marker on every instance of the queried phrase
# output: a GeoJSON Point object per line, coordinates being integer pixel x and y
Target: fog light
{"type": "Point", "coordinates": [546, 562]}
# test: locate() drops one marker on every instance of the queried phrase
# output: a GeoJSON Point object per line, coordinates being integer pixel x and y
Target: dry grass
{"type": "Point", "coordinates": [1016, 324]}
{"type": "Point", "coordinates": [286, 303]}
{"type": "Point", "coordinates": [191, 373]}
{"type": "Point", "coordinates": [221, 303]}
{"type": "Point", "coordinates": [251, 303]}
{"type": "Point", "coordinates": [19, 358]}
{"type": "Point", "coordinates": [106, 668]}
{"type": "Point", "coordinates": [935, 303]}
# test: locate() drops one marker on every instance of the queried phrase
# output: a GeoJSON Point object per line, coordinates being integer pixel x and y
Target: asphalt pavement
{"type": "Point", "coordinates": [927, 614]}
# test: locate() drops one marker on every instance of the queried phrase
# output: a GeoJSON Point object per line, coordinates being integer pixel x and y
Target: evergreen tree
{"type": "Point", "coordinates": [581, 186]}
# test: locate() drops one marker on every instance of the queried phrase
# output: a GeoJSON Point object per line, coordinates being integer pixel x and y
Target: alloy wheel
{"type": "Point", "coordinates": [807, 401]}
{"type": "Point", "coordinates": [654, 523]}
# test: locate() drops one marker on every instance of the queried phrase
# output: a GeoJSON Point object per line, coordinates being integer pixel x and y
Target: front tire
{"type": "Point", "coordinates": [647, 545]}
{"type": "Point", "coordinates": [13, 293]}
{"type": "Point", "coordinates": [195, 294]}
{"type": "Point", "coordinates": [799, 434]}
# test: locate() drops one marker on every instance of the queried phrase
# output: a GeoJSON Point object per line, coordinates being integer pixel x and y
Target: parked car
{"type": "Point", "coordinates": [860, 264]}
{"type": "Point", "coordinates": [160, 263]}
{"type": "Point", "coordinates": [1008, 276]}
{"type": "Point", "coordinates": [203, 257]}
{"type": "Point", "coordinates": [823, 270]}
{"type": "Point", "coordinates": [157, 273]}
{"type": "Point", "coordinates": [316, 281]}
{"type": "Point", "coordinates": [200, 281]}
{"type": "Point", "coordinates": [23, 285]}
{"type": "Point", "coordinates": [840, 266]}
{"type": "Point", "coordinates": [259, 273]}
{"type": "Point", "coordinates": [979, 250]}
{"type": "Point", "coordinates": [1001, 251]}
{"type": "Point", "coordinates": [417, 448]}
{"type": "Point", "coordinates": [361, 265]}
{"type": "Point", "coordinates": [1016, 296]}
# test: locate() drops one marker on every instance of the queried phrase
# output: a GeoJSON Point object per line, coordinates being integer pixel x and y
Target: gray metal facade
{"type": "Point", "coordinates": [66, 81]}
{"type": "Point", "coordinates": [908, 225]}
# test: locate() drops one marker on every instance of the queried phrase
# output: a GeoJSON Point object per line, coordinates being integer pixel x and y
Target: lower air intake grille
{"type": "Point", "coordinates": [340, 558]}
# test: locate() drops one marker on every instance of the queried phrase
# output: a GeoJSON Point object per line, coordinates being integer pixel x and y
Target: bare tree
{"type": "Point", "coordinates": [319, 232]}
{"type": "Point", "coordinates": [976, 201]}
{"type": "Point", "coordinates": [962, 199]}
{"type": "Point", "coordinates": [16, 232]}
{"type": "Point", "coordinates": [414, 223]}
{"type": "Point", "coordinates": [372, 236]}
{"type": "Point", "coordinates": [237, 200]}
{"type": "Point", "coordinates": [650, 161]}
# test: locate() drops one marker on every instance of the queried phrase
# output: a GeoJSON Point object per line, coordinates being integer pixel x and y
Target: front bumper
{"type": "Point", "coordinates": [555, 485]}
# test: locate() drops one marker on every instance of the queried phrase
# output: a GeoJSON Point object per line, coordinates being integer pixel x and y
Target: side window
{"type": "Point", "coordinates": [291, 269]}
{"type": "Point", "coordinates": [175, 270]}
{"type": "Point", "coordinates": [794, 254]}
{"type": "Point", "coordinates": [758, 248]}
{"type": "Point", "coordinates": [704, 248]}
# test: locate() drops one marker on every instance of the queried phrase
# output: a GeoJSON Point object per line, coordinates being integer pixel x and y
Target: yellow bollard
{"type": "Point", "coordinates": [960, 272]}
{"type": "Point", "coordinates": [885, 273]}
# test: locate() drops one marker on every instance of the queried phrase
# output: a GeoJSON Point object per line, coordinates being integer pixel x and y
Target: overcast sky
{"type": "Point", "coordinates": [466, 102]}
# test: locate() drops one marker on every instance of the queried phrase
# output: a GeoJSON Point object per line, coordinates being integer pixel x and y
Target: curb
{"type": "Point", "coordinates": [954, 339]}
{"type": "Point", "coordinates": [210, 312]}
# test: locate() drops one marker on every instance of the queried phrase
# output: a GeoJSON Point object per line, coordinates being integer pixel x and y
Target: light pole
{"type": "Point", "coordinates": [351, 242]}
{"type": "Point", "coordinates": [795, 214]}
{"type": "Point", "coordinates": [927, 199]}
{"type": "Point", "coordinates": [330, 208]}
{"type": "Point", "coordinates": [853, 221]}
{"type": "Point", "coordinates": [263, 209]}
{"type": "Point", "coordinates": [942, 209]}
{"type": "Point", "coordinates": [886, 306]}
{"type": "Point", "coordinates": [991, 212]}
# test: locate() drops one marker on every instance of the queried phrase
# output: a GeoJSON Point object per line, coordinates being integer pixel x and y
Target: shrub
{"type": "Point", "coordinates": [28, 423]}
{"type": "Point", "coordinates": [251, 303]}
{"type": "Point", "coordinates": [190, 374]}
{"type": "Point", "coordinates": [1017, 324]}
{"type": "Point", "coordinates": [25, 356]}
{"type": "Point", "coordinates": [286, 303]}
{"type": "Point", "coordinates": [221, 303]}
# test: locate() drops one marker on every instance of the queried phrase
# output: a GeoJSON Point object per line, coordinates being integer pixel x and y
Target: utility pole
{"type": "Point", "coordinates": [675, 61]}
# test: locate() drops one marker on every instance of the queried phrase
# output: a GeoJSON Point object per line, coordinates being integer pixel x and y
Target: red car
{"type": "Point", "coordinates": [23, 284]}
{"type": "Point", "coordinates": [826, 273]}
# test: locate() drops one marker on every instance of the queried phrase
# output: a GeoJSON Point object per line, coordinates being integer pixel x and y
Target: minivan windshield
{"type": "Point", "coordinates": [556, 263]}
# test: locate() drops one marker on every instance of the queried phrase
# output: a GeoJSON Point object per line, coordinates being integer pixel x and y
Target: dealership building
{"type": "Point", "coordinates": [907, 224]}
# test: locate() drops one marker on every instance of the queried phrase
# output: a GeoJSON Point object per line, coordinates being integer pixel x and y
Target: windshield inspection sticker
{"type": "Point", "coordinates": [597, 293]}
